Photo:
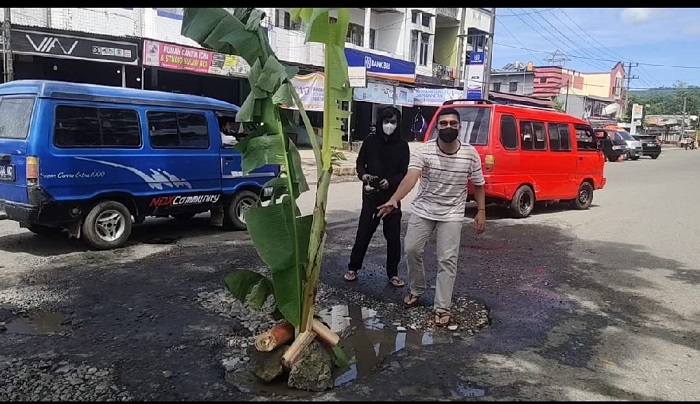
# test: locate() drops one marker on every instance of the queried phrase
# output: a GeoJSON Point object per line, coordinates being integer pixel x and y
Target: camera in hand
{"type": "Point", "coordinates": [372, 185]}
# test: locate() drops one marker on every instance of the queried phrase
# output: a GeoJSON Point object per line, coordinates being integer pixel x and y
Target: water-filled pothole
{"type": "Point", "coordinates": [42, 323]}
{"type": "Point", "coordinates": [365, 339]}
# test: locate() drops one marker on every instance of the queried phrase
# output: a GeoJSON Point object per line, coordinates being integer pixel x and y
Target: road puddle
{"type": "Point", "coordinates": [39, 324]}
{"type": "Point", "coordinates": [365, 339]}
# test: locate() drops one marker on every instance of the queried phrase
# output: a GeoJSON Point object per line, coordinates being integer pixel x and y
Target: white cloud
{"type": "Point", "coordinates": [637, 15]}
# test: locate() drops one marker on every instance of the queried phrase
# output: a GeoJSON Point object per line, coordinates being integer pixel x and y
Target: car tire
{"type": "Point", "coordinates": [44, 230]}
{"type": "Point", "coordinates": [654, 156]}
{"type": "Point", "coordinates": [234, 212]}
{"type": "Point", "coordinates": [523, 202]}
{"type": "Point", "coordinates": [184, 216]}
{"type": "Point", "coordinates": [634, 158]}
{"type": "Point", "coordinates": [107, 226]}
{"type": "Point", "coordinates": [584, 197]}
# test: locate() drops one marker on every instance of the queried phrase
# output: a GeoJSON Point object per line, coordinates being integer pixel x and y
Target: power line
{"type": "Point", "coordinates": [520, 14]}
{"type": "Point", "coordinates": [516, 39]}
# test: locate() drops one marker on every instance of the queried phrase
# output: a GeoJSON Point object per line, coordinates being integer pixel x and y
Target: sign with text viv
{"type": "Point", "coordinates": [382, 66]}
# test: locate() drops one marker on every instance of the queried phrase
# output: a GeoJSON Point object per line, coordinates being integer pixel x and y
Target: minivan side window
{"type": "Point", "coordinates": [559, 137]}
{"type": "Point", "coordinates": [585, 138]}
{"type": "Point", "coordinates": [533, 136]}
{"type": "Point", "coordinates": [176, 130]}
{"type": "Point", "coordinates": [509, 132]}
{"type": "Point", "coordinates": [78, 126]}
{"type": "Point", "coordinates": [15, 114]}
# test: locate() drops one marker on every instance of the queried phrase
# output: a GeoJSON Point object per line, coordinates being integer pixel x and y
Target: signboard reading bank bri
{"type": "Point", "coordinates": [382, 66]}
{"type": "Point", "coordinates": [177, 57]}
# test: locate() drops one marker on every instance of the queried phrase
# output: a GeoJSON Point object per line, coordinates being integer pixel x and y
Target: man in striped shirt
{"type": "Point", "coordinates": [443, 166]}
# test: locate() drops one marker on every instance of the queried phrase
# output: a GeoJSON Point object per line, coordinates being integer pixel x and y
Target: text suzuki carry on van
{"type": "Point", "coordinates": [95, 159]}
{"type": "Point", "coordinates": [529, 154]}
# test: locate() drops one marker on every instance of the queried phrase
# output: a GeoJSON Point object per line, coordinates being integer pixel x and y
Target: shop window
{"type": "Point", "coordinates": [178, 130]}
{"type": "Point", "coordinates": [424, 42]}
{"type": "Point", "coordinates": [559, 137]}
{"type": "Point", "coordinates": [415, 16]}
{"type": "Point", "coordinates": [96, 127]}
{"type": "Point", "coordinates": [509, 133]}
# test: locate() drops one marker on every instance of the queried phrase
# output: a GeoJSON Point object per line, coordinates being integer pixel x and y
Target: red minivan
{"type": "Point", "coordinates": [530, 154]}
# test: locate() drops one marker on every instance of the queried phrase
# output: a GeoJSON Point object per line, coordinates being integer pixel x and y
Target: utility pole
{"type": "Point", "coordinates": [7, 47]}
{"type": "Point", "coordinates": [685, 102]}
{"type": "Point", "coordinates": [460, 48]}
{"type": "Point", "coordinates": [627, 89]}
{"type": "Point", "coordinates": [489, 41]}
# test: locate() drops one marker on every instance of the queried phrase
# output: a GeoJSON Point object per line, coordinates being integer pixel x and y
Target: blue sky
{"type": "Point", "coordinates": [594, 38]}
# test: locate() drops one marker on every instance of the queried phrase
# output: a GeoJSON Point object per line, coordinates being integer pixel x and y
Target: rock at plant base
{"type": "Point", "coordinates": [313, 371]}
{"type": "Point", "coordinates": [267, 365]}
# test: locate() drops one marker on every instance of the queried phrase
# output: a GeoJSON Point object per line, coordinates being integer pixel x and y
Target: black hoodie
{"type": "Point", "coordinates": [385, 157]}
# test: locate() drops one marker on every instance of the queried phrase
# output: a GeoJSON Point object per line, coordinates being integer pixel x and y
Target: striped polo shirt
{"type": "Point", "coordinates": [442, 193]}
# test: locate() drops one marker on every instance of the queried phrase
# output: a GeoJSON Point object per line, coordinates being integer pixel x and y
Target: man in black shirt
{"type": "Point", "coordinates": [381, 165]}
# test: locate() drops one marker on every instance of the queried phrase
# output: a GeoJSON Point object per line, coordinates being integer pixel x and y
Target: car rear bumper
{"type": "Point", "coordinates": [19, 212]}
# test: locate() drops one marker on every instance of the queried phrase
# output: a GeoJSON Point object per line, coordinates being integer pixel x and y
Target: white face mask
{"type": "Point", "coordinates": [389, 128]}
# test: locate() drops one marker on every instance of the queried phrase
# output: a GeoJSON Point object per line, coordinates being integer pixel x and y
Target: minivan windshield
{"type": "Point", "coordinates": [476, 121]}
{"type": "Point", "coordinates": [15, 115]}
{"type": "Point", "coordinates": [624, 135]}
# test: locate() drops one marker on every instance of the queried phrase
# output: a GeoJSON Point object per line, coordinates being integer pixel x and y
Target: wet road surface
{"type": "Point", "coordinates": [601, 304]}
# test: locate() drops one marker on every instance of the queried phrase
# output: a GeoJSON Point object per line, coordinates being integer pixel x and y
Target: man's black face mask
{"type": "Point", "coordinates": [448, 135]}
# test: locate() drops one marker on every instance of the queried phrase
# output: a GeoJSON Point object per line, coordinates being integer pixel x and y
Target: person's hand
{"type": "Point", "coordinates": [384, 184]}
{"type": "Point", "coordinates": [387, 208]}
{"type": "Point", "coordinates": [366, 177]}
{"type": "Point", "coordinates": [480, 221]}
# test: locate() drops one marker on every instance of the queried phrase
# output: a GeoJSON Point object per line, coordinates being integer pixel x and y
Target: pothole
{"type": "Point", "coordinates": [365, 339]}
{"type": "Point", "coordinates": [38, 324]}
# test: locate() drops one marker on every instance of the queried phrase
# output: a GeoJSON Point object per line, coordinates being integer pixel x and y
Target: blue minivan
{"type": "Point", "coordinates": [93, 160]}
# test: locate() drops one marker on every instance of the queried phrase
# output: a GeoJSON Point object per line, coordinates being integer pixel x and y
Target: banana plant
{"type": "Point", "coordinates": [291, 245]}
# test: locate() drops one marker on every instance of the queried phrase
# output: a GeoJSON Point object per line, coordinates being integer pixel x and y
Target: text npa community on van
{"type": "Point", "coordinates": [177, 200]}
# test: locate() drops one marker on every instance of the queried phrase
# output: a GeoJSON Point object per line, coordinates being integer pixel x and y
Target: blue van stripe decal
{"type": "Point", "coordinates": [157, 180]}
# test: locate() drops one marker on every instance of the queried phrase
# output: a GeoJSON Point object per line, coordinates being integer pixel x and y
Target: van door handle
{"type": "Point", "coordinates": [580, 158]}
{"type": "Point", "coordinates": [228, 158]}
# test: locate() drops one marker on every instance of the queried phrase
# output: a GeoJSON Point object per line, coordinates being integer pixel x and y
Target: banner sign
{"type": "Point", "coordinates": [434, 97]}
{"type": "Point", "coordinates": [178, 57]}
{"type": "Point", "coordinates": [382, 66]}
{"type": "Point", "coordinates": [48, 43]}
{"type": "Point", "coordinates": [310, 90]}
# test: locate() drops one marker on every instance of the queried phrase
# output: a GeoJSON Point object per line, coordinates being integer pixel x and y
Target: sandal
{"type": "Point", "coordinates": [350, 276]}
{"type": "Point", "coordinates": [440, 319]}
{"type": "Point", "coordinates": [397, 282]}
{"type": "Point", "coordinates": [410, 301]}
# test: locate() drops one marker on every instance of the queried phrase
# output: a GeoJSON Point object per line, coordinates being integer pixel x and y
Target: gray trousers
{"type": "Point", "coordinates": [448, 235]}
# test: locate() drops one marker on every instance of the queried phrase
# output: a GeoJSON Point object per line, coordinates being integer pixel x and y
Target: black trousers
{"type": "Point", "coordinates": [365, 230]}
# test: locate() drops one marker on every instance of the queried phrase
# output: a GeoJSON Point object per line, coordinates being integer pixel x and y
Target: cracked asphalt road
{"type": "Point", "coordinates": [595, 305]}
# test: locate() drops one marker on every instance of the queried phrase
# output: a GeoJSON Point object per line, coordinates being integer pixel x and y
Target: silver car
{"type": "Point", "coordinates": [634, 145]}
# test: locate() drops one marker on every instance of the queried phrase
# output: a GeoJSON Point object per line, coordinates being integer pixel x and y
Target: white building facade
{"type": "Point", "coordinates": [399, 47]}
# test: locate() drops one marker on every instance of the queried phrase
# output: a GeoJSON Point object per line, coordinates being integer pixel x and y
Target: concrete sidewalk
{"type": "Point", "coordinates": [345, 171]}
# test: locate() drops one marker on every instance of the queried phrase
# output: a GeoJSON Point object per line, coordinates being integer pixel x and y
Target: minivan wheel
{"type": "Point", "coordinates": [523, 202]}
{"type": "Point", "coordinates": [584, 198]}
{"type": "Point", "coordinates": [107, 226]}
{"type": "Point", "coordinates": [44, 230]}
{"type": "Point", "coordinates": [235, 213]}
{"type": "Point", "coordinates": [654, 156]}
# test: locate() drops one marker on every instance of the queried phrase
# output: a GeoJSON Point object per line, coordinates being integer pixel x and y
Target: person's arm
{"type": "Point", "coordinates": [477, 178]}
{"type": "Point", "coordinates": [396, 179]}
{"type": "Point", "coordinates": [361, 162]}
{"type": "Point", "coordinates": [415, 168]}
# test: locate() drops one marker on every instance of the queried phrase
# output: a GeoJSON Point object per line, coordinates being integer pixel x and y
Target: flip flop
{"type": "Point", "coordinates": [350, 276]}
{"type": "Point", "coordinates": [413, 301]}
{"type": "Point", "coordinates": [397, 282]}
{"type": "Point", "coordinates": [439, 322]}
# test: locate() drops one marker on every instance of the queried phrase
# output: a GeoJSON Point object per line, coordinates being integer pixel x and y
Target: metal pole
{"type": "Point", "coordinates": [123, 76]}
{"type": "Point", "coordinates": [350, 124]}
{"type": "Point", "coordinates": [143, 70]}
{"type": "Point", "coordinates": [685, 100]}
{"type": "Point", "coordinates": [566, 100]}
{"type": "Point", "coordinates": [7, 30]}
{"type": "Point", "coordinates": [489, 42]}
{"type": "Point", "coordinates": [460, 47]}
